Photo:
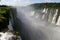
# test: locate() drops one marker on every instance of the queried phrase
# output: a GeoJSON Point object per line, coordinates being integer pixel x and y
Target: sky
{"type": "Point", "coordinates": [24, 2]}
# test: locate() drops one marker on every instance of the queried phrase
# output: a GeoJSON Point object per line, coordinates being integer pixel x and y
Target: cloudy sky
{"type": "Point", "coordinates": [24, 2]}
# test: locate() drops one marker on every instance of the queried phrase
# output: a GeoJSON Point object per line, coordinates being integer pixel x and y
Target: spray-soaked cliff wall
{"type": "Point", "coordinates": [12, 18]}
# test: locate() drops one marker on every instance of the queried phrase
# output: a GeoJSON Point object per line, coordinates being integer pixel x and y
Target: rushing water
{"type": "Point", "coordinates": [37, 24]}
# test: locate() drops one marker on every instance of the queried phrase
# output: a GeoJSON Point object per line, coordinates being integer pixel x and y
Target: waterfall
{"type": "Point", "coordinates": [50, 14]}
{"type": "Point", "coordinates": [37, 24]}
{"type": "Point", "coordinates": [10, 21]}
{"type": "Point", "coordinates": [54, 18]}
{"type": "Point", "coordinates": [58, 22]}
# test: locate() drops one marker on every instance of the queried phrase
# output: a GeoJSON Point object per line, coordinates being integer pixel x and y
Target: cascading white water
{"type": "Point", "coordinates": [54, 18]}
{"type": "Point", "coordinates": [50, 15]}
{"type": "Point", "coordinates": [58, 22]}
{"type": "Point", "coordinates": [10, 21]}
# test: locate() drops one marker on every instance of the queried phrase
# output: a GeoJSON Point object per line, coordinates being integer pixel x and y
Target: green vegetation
{"type": "Point", "coordinates": [4, 16]}
{"type": "Point", "coordinates": [46, 5]}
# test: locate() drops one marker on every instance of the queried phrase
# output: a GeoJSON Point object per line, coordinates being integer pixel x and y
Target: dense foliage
{"type": "Point", "coordinates": [4, 16]}
{"type": "Point", "coordinates": [46, 5]}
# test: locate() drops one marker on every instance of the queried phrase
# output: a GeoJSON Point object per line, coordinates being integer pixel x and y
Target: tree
{"type": "Point", "coordinates": [4, 16]}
